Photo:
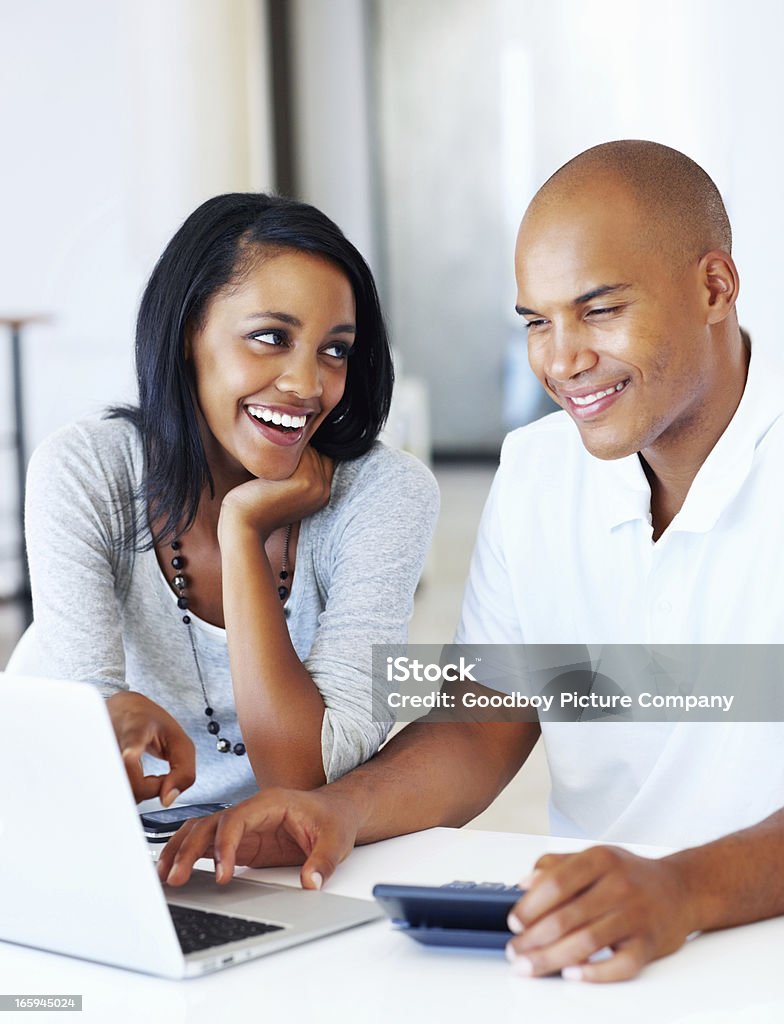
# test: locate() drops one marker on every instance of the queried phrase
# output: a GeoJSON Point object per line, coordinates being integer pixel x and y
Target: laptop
{"type": "Point", "coordinates": [76, 872]}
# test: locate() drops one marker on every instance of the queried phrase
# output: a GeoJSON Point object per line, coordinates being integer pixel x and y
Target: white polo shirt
{"type": "Point", "coordinates": [565, 555]}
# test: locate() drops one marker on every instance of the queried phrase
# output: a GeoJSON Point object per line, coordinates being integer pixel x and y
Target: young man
{"type": "Point", "coordinates": [647, 512]}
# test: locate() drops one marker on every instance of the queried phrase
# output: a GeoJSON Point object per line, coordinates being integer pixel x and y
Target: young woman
{"type": "Point", "coordinates": [219, 559]}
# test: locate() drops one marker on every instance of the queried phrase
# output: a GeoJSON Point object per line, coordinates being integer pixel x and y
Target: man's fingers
{"type": "Point", "coordinates": [626, 962]}
{"type": "Point", "coordinates": [589, 906]}
{"type": "Point", "coordinates": [562, 881]}
{"type": "Point", "coordinates": [231, 829]}
{"type": "Point", "coordinates": [574, 948]}
{"type": "Point", "coordinates": [190, 842]}
{"type": "Point", "coordinates": [328, 850]}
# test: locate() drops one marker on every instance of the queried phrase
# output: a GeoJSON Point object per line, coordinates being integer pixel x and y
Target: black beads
{"type": "Point", "coordinates": [283, 574]}
{"type": "Point", "coordinates": [283, 593]}
{"type": "Point", "coordinates": [180, 584]}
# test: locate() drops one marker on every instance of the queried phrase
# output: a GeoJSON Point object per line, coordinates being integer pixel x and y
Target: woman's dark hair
{"type": "Point", "coordinates": [211, 249]}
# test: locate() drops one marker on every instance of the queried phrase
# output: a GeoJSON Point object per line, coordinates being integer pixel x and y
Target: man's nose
{"type": "Point", "coordinates": [568, 354]}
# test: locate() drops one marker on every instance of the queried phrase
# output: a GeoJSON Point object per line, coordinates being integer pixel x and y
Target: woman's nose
{"type": "Point", "coordinates": [301, 376]}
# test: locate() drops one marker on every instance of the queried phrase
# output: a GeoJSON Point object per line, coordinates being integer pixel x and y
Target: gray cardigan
{"type": "Point", "coordinates": [105, 614]}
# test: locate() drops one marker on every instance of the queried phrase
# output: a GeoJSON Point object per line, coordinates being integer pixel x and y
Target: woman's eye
{"type": "Point", "coordinates": [268, 337]}
{"type": "Point", "coordinates": [338, 349]}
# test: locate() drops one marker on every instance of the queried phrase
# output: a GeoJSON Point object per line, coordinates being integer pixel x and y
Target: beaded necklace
{"type": "Point", "coordinates": [180, 583]}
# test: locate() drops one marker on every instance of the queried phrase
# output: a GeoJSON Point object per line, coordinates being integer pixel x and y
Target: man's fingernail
{"type": "Point", "coordinates": [528, 881]}
{"type": "Point", "coordinates": [316, 879]}
{"type": "Point", "coordinates": [170, 797]}
{"type": "Point", "coordinates": [572, 973]}
{"type": "Point", "coordinates": [514, 924]}
{"type": "Point", "coordinates": [522, 965]}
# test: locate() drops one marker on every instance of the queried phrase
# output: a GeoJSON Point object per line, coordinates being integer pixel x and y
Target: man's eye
{"type": "Point", "coordinates": [604, 311]}
{"type": "Point", "coordinates": [533, 324]}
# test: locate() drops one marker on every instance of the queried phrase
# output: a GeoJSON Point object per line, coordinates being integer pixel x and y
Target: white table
{"type": "Point", "coordinates": [372, 974]}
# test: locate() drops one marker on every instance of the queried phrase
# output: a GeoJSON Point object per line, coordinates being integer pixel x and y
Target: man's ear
{"type": "Point", "coordinates": [719, 277]}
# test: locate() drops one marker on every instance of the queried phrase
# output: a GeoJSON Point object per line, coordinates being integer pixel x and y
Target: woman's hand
{"type": "Point", "coordinates": [267, 505]}
{"type": "Point", "coordinates": [276, 827]}
{"type": "Point", "coordinates": [143, 727]}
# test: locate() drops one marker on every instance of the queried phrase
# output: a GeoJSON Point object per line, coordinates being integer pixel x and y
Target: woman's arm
{"type": "Point", "coordinates": [78, 521]}
{"type": "Point", "coordinates": [304, 723]}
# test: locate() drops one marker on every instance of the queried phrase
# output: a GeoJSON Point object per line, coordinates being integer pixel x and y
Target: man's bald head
{"type": "Point", "coordinates": [681, 210]}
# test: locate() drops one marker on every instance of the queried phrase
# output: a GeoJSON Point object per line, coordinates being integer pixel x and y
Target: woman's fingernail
{"type": "Point", "coordinates": [514, 924]}
{"type": "Point", "coordinates": [317, 880]}
{"type": "Point", "coordinates": [170, 797]}
{"type": "Point", "coordinates": [572, 973]}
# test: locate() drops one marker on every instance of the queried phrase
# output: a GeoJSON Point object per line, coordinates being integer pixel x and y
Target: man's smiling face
{"type": "Point", "coordinates": [616, 326]}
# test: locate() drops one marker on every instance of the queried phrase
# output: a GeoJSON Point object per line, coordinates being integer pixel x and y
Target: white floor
{"type": "Point", "coordinates": [522, 806]}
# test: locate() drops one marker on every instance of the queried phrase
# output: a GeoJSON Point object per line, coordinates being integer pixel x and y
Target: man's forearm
{"type": "Point", "coordinates": [433, 773]}
{"type": "Point", "coordinates": [736, 879]}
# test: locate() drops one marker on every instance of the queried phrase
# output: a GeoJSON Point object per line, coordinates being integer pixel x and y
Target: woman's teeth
{"type": "Point", "coordinates": [590, 399]}
{"type": "Point", "coordinates": [277, 419]}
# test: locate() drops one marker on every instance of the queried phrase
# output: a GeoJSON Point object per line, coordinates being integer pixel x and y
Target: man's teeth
{"type": "Point", "coordinates": [278, 419]}
{"type": "Point", "coordinates": [590, 399]}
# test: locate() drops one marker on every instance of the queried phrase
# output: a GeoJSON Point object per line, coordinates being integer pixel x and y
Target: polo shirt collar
{"type": "Point", "coordinates": [627, 494]}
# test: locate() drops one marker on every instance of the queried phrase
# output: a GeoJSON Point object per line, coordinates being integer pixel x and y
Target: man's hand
{"type": "Point", "coordinates": [267, 505]}
{"type": "Point", "coordinates": [580, 903]}
{"type": "Point", "coordinates": [143, 727]}
{"type": "Point", "coordinates": [276, 827]}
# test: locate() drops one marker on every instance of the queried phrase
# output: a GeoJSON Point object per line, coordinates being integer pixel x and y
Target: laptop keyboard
{"type": "Point", "coordinates": [199, 929]}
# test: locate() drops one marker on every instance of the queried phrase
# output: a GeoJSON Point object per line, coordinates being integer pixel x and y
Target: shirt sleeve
{"type": "Point", "coordinates": [375, 556]}
{"type": "Point", "coordinates": [69, 509]}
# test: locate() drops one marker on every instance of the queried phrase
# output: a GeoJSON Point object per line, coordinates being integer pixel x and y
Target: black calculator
{"type": "Point", "coordinates": [457, 914]}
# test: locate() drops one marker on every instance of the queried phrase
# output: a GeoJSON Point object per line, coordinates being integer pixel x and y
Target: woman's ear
{"type": "Point", "coordinates": [721, 284]}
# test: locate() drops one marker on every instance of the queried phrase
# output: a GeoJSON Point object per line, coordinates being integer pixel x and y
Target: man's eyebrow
{"type": "Point", "coordinates": [293, 321]}
{"type": "Point", "coordinates": [594, 293]}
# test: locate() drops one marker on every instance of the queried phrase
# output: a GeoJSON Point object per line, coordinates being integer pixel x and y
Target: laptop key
{"type": "Point", "coordinates": [200, 929]}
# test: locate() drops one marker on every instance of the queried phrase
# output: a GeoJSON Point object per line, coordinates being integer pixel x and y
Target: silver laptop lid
{"type": "Point", "coordinates": [76, 876]}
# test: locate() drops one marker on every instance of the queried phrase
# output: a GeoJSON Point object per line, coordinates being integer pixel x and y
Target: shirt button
{"type": "Point", "coordinates": [664, 606]}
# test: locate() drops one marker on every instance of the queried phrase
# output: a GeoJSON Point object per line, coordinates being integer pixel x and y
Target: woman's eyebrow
{"type": "Point", "coordinates": [293, 321]}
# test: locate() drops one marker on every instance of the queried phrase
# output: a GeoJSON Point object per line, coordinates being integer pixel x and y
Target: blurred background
{"type": "Point", "coordinates": [423, 127]}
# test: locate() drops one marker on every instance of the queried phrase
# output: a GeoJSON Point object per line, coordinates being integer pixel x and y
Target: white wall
{"type": "Point", "coordinates": [481, 103]}
{"type": "Point", "coordinates": [332, 115]}
{"type": "Point", "coordinates": [117, 120]}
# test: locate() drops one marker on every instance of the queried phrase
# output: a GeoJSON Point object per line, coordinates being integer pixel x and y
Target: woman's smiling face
{"type": "Point", "coordinates": [269, 363]}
